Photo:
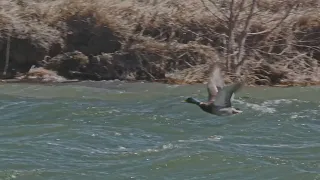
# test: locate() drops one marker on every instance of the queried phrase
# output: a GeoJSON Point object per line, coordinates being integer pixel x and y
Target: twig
{"type": "Point", "coordinates": [7, 54]}
{"type": "Point", "coordinates": [244, 36]}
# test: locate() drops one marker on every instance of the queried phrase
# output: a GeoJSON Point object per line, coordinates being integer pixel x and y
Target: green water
{"type": "Point", "coordinates": [115, 130]}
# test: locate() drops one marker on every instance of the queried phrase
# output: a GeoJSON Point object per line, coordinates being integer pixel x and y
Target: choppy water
{"type": "Point", "coordinates": [104, 130]}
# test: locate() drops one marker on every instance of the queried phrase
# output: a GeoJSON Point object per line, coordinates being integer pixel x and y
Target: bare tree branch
{"type": "Point", "coordinates": [243, 37]}
{"type": "Point", "coordinates": [7, 54]}
{"type": "Point", "coordinates": [221, 21]}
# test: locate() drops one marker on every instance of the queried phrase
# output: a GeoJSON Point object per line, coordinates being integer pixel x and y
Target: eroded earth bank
{"type": "Point", "coordinates": [173, 41]}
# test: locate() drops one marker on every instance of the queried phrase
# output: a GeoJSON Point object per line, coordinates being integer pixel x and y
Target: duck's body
{"type": "Point", "coordinates": [219, 96]}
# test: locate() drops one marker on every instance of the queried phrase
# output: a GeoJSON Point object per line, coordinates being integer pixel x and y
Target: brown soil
{"type": "Point", "coordinates": [172, 41]}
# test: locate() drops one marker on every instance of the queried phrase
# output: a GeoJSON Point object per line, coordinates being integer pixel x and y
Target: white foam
{"type": "Point", "coordinates": [117, 134]}
{"type": "Point", "coordinates": [210, 138]}
{"type": "Point", "coordinates": [54, 144]}
{"type": "Point", "coordinates": [277, 102]}
{"type": "Point", "coordinates": [167, 146]}
{"type": "Point", "coordinates": [161, 148]}
{"type": "Point", "coordinates": [173, 86]}
{"type": "Point", "coordinates": [157, 149]}
{"type": "Point", "coordinates": [268, 106]}
{"type": "Point", "coordinates": [295, 116]}
{"type": "Point", "coordinates": [262, 108]}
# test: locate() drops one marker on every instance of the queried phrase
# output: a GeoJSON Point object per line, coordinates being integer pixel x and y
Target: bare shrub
{"type": "Point", "coordinates": [266, 40]}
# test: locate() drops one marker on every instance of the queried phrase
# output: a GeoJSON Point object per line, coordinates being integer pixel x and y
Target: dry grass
{"type": "Point", "coordinates": [24, 24]}
{"type": "Point", "coordinates": [179, 31]}
{"type": "Point", "coordinates": [41, 75]}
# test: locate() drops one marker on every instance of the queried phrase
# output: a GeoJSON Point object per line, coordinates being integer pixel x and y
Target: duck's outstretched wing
{"type": "Point", "coordinates": [215, 83]}
{"type": "Point", "coordinates": [223, 98]}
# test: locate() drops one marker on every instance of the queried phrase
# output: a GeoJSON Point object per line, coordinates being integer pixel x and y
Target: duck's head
{"type": "Point", "coordinates": [192, 100]}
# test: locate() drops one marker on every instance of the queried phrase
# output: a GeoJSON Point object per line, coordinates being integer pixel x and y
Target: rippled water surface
{"type": "Point", "coordinates": [115, 130]}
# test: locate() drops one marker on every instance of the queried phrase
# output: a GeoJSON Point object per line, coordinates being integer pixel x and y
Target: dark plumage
{"type": "Point", "coordinates": [219, 95]}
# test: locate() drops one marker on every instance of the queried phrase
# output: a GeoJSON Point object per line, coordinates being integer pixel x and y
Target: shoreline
{"type": "Point", "coordinates": [162, 81]}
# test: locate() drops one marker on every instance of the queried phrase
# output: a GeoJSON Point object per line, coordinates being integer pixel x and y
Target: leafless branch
{"type": "Point", "coordinates": [243, 37]}
{"type": "Point", "coordinates": [221, 21]}
{"type": "Point", "coordinates": [7, 53]}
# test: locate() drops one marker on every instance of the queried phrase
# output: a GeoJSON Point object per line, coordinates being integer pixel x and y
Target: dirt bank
{"type": "Point", "coordinates": [172, 41]}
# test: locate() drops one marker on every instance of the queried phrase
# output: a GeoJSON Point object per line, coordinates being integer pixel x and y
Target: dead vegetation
{"type": "Point", "coordinates": [270, 42]}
